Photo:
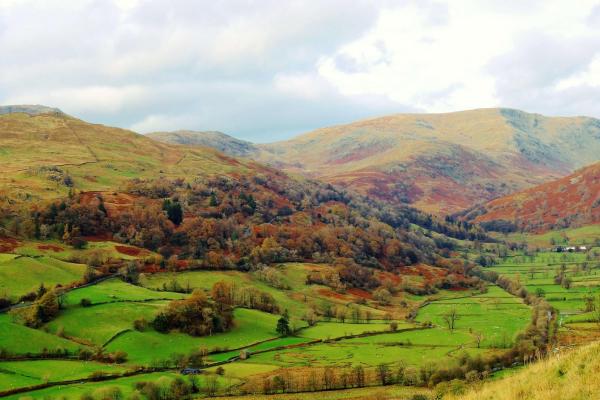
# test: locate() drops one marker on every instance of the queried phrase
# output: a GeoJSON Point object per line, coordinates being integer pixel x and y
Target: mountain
{"type": "Point", "coordinates": [441, 163]}
{"type": "Point", "coordinates": [571, 201]}
{"type": "Point", "coordinates": [29, 109]}
{"type": "Point", "coordinates": [41, 149]}
{"type": "Point", "coordinates": [64, 178]}
{"type": "Point", "coordinates": [217, 140]}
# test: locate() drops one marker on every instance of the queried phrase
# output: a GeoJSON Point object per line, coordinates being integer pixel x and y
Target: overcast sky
{"type": "Point", "coordinates": [266, 70]}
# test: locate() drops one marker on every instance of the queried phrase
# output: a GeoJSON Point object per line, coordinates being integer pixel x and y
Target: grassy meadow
{"type": "Point", "coordinates": [486, 324]}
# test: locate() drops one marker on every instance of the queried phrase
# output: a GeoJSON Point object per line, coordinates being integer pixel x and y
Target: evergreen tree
{"type": "Point", "coordinates": [283, 325]}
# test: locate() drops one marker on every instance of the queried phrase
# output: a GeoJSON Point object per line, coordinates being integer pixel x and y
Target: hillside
{"type": "Point", "coordinates": [570, 376]}
{"type": "Point", "coordinates": [217, 140]}
{"type": "Point", "coordinates": [66, 178]}
{"type": "Point", "coordinates": [29, 109]}
{"type": "Point", "coordinates": [44, 154]}
{"type": "Point", "coordinates": [572, 201]}
{"type": "Point", "coordinates": [442, 163]}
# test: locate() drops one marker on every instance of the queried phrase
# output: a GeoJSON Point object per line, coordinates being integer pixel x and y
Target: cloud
{"type": "Point", "coordinates": [266, 70]}
{"type": "Point", "coordinates": [550, 74]}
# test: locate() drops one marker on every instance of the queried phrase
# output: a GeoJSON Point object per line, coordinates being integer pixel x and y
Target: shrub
{"type": "Point", "coordinates": [140, 324]}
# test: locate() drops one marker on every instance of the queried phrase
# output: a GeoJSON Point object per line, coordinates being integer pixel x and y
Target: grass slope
{"type": "Point", "coordinates": [24, 274]}
{"type": "Point", "coordinates": [572, 201]}
{"type": "Point", "coordinates": [573, 375]}
{"type": "Point", "coordinates": [19, 339]}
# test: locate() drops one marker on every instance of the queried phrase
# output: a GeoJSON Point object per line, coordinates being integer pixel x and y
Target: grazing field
{"type": "Point", "coordinates": [97, 324]}
{"type": "Point", "coordinates": [495, 316]}
{"type": "Point", "coordinates": [569, 282]}
{"type": "Point", "coordinates": [115, 290]}
{"type": "Point", "coordinates": [151, 347]}
{"type": "Point", "coordinates": [206, 279]}
{"type": "Point", "coordinates": [585, 235]}
{"type": "Point", "coordinates": [125, 386]}
{"type": "Point", "coordinates": [28, 373]}
{"type": "Point", "coordinates": [22, 275]}
{"type": "Point", "coordinates": [540, 275]}
{"type": "Point", "coordinates": [326, 330]}
{"type": "Point", "coordinates": [106, 321]}
{"type": "Point", "coordinates": [408, 348]}
{"type": "Point", "coordinates": [18, 339]}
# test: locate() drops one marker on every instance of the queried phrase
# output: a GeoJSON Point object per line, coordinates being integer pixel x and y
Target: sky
{"type": "Point", "coordinates": [268, 70]}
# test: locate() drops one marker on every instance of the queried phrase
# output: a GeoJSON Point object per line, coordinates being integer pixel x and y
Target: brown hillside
{"type": "Point", "coordinates": [442, 162]}
{"type": "Point", "coordinates": [567, 202]}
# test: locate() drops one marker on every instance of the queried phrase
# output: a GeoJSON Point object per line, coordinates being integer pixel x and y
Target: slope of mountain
{"type": "Point", "coordinates": [442, 162]}
{"type": "Point", "coordinates": [85, 179]}
{"type": "Point", "coordinates": [571, 201]}
{"type": "Point", "coordinates": [43, 155]}
{"type": "Point", "coordinates": [571, 376]}
{"type": "Point", "coordinates": [29, 109]}
{"type": "Point", "coordinates": [217, 140]}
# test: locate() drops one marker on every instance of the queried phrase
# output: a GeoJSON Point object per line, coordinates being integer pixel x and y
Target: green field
{"type": "Point", "coordinates": [27, 373]}
{"type": "Point", "coordinates": [21, 275]}
{"type": "Point", "coordinates": [496, 315]}
{"type": "Point", "coordinates": [573, 236]}
{"type": "Point", "coordinates": [108, 324]}
{"type": "Point", "coordinates": [411, 348]}
{"type": "Point", "coordinates": [98, 324]}
{"type": "Point", "coordinates": [206, 279]}
{"type": "Point", "coordinates": [115, 290]}
{"type": "Point", "coordinates": [126, 386]}
{"type": "Point", "coordinates": [537, 274]}
{"type": "Point", "coordinates": [18, 339]}
{"type": "Point", "coordinates": [150, 347]}
{"type": "Point", "coordinates": [327, 330]}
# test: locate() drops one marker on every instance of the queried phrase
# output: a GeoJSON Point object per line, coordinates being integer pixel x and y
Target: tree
{"type": "Point", "coordinates": [596, 311]}
{"type": "Point", "coordinates": [383, 372]}
{"type": "Point", "coordinates": [211, 385]}
{"type": "Point", "coordinates": [283, 325]}
{"type": "Point", "coordinates": [174, 211]}
{"type": "Point", "coordinates": [478, 338]}
{"type": "Point", "coordinates": [359, 376]}
{"type": "Point", "coordinates": [450, 317]}
{"type": "Point", "coordinates": [383, 296]}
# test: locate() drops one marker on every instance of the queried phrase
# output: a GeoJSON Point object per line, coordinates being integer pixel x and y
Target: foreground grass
{"type": "Point", "coordinates": [379, 393]}
{"type": "Point", "coordinates": [99, 389]}
{"type": "Point", "coordinates": [573, 375]}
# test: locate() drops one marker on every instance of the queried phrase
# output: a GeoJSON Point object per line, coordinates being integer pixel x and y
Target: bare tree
{"type": "Point", "coordinates": [450, 317]}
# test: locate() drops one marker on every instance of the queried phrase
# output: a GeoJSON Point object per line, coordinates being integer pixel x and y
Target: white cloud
{"type": "Point", "coordinates": [445, 66]}
{"type": "Point", "coordinates": [264, 70]}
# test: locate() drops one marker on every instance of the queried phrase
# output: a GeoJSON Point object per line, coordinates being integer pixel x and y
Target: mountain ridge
{"type": "Point", "coordinates": [441, 163]}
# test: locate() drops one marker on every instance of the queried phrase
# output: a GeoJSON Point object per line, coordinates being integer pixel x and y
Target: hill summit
{"type": "Point", "coordinates": [29, 109]}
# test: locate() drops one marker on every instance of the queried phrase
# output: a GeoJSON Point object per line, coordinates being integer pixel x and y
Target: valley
{"type": "Point", "coordinates": [134, 268]}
